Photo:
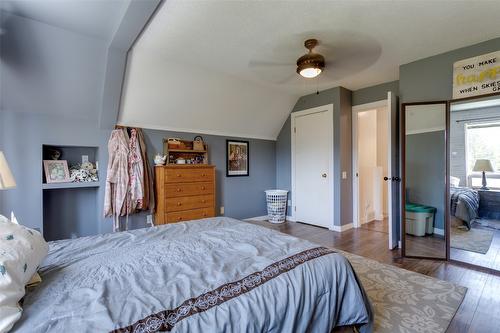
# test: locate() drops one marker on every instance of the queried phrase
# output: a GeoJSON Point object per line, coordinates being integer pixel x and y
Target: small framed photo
{"type": "Point", "coordinates": [237, 158]}
{"type": "Point", "coordinates": [56, 171]}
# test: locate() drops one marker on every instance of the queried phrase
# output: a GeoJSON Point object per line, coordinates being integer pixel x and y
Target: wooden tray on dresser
{"type": "Point", "coordinates": [184, 192]}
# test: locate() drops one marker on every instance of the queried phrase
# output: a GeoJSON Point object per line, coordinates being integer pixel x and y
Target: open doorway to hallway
{"type": "Point", "coordinates": [372, 167]}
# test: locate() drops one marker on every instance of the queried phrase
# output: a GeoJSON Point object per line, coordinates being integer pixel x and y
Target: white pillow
{"type": "Point", "coordinates": [21, 252]}
{"type": "Point", "coordinates": [454, 181]}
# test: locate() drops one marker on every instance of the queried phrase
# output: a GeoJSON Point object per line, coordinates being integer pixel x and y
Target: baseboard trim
{"type": "Point", "coordinates": [342, 228]}
{"type": "Point", "coordinates": [439, 231]}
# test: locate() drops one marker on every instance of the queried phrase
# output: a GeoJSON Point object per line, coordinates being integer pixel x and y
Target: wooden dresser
{"type": "Point", "coordinates": [184, 192]}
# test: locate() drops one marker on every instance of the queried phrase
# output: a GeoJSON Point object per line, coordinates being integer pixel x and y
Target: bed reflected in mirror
{"type": "Point", "coordinates": [424, 183]}
{"type": "Point", "coordinates": [475, 182]}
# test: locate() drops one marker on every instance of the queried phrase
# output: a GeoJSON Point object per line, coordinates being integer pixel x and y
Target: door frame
{"type": "Point", "coordinates": [329, 110]}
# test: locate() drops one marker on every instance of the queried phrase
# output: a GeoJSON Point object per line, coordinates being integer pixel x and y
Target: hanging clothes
{"type": "Point", "coordinates": [117, 179]}
{"type": "Point", "coordinates": [136, 174]}
{"type": "Point", "coordinates": [149, 197]}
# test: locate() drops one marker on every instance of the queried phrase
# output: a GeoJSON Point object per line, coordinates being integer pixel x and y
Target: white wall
{"type": "Point", "coordinates": [367, 163]}
{"type": "Point", "coordinates": [372, 164]}
{"type": "Point", "coordinates": [382, 141]}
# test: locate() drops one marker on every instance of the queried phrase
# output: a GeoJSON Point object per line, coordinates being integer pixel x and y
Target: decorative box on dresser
{"type": "Point", "coordinates": [184, 192]}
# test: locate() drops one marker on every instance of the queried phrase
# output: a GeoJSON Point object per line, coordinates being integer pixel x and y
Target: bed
{"type": "Point", "coordinates": [464, 204]}
{"type": "Point", "coordinates": [211, 275]}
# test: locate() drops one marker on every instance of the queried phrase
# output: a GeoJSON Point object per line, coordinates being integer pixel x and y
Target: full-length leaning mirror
{"type": "Point", "coordinates": [424, 180]}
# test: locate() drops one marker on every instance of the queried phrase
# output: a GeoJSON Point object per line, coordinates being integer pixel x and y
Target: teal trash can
{"type": "Point", "coordinates": [419, 219]}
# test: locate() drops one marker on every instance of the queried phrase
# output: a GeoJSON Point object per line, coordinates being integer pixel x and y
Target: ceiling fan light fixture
{"type": "Point", "coordinates": [310, 72]}
{"type": "Point", "coordinates": [311, 64]}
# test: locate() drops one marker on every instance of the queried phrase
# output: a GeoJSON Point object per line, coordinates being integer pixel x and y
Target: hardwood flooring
{"type": "Point", "coordinates": [480, 310]}
{"type": "Point", "coordinates": [490, 259]}
{"type": "Point", "coordinates": [377, 225]}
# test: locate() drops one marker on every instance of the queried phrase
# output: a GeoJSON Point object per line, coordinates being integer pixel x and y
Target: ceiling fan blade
{"type": "Point", "coordinates": [263, 63]}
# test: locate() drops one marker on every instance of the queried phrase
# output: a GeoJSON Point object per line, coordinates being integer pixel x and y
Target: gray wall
{"type": "Point", "coordinates": [242, 197]}
{"type": "Point", "coordinates": [425, 171]}
{"type": "Point", "coordinates": [457, 138]}
{"type": "Point", "coordinates": [51, 93]}
{"type": "Point", "coordinates": [374, 93]}
{"type": "Point", "coordinates": [431, 79]}
{"type": "Point", "coordinates": [341, 100]}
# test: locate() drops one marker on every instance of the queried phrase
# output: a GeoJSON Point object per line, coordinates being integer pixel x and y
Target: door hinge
{"type": "Point", "coordinates": [295, 130]}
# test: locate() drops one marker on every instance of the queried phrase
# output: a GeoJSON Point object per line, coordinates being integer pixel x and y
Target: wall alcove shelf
{"type": "Point", "coordinates": [68, 207]}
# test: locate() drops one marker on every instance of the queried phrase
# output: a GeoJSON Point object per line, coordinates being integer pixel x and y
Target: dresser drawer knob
{"type": "Point", "coordinates": [203, 187]}
{"type": "Point", "coordinates": [204, 214]}
{"type": "Point", "coordinates": [178, 175]}
{"type": "Point", "coordinates": [203, 175]}
{"type": "Point", "coordinates": [179, 204]}
{"type": "Point", "coordinates": [179, 219]}
{"type": "Point", "coordinates": [178, 190]}
{"type": "Point", "coordinates": [203, 201]}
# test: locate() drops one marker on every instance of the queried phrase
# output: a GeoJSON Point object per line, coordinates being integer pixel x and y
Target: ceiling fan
{"type": "Point", "coordinates": [311, 64]}
{"type": "Point", "coordinates": [332, 55]}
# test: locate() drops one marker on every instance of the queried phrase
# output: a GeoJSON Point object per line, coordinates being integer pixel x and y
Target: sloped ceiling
{"type": "Point", "coordinates": [95, 18]}
{"type": "Point", "coordinates": [228, 67]}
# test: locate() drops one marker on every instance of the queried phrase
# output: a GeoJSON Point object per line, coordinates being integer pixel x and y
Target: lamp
{"type": "Point", "coordinates": [6, 179]}
{"type": "Point", "coordinates": [484, 166]}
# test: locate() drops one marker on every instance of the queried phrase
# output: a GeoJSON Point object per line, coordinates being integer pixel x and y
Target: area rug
{"type": "Point", "coordinates": [475, 239]}
{"type": "Point", "coordinates": [494, 224]}
{"type": "Point", "coordinates": [405, 301]}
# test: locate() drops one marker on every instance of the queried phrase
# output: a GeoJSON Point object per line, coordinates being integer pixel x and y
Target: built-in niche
{"type": "Point", "coordinates": [69, 207]}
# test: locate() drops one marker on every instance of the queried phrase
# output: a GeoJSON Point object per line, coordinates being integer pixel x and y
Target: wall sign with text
{"type": "Point", "coordinates": [477, 76]}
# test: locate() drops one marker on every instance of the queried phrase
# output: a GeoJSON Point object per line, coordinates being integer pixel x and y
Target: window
{"type": "Point", "coordinates": [482, 142]}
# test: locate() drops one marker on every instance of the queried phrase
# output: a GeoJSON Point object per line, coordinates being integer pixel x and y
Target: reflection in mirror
{"type": "Point", "coordinates": [475, 182]}
{"type": "Point", "coordinates": [425, 180]}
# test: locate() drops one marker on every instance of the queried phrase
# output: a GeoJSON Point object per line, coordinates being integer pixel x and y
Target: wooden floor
{"type": "Point", "coordinates": [377, 225]}
{"type": "Point", "coordinates": [490, 259]}
{"type": "Point", "coordinates": [480, 310]}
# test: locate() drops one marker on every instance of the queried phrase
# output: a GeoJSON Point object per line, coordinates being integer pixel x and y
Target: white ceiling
{"type": "Point", "coordinates": [208, 66]}
{"type": "Point", "coordinates": [96, 18]}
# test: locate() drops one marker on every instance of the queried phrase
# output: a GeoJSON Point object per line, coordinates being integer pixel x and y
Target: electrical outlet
{"type": "Point", "coordinates": [149, 219]}
{"type": "Point", "coordinates": [344, 174]}
{"type": "Point", "coordinates": [85, 158]}
{"type": "Point", "coordinates": [222, 210]}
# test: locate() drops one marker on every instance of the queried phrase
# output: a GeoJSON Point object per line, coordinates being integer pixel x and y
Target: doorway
{"type": "Point", "coordinates": [312, 166]}
{"type": "Point", "coordinates": [375, 169]}
{"type": "Point", "coordinates": [372, 168]}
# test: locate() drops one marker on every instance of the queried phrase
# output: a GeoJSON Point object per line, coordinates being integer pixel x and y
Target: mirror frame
{"type": "Point", "coordinates": [446, 103]}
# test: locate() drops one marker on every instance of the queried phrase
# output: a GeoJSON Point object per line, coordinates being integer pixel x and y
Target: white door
{"type": "Point", "coordinates": [312, 166]}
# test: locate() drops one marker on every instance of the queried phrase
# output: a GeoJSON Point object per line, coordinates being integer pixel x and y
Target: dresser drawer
{"type": "Point", "coordinates": [188, 175]}
{"type": "Point", "coordinates": [188, 215]}
{"type": "Point", "coordinates": [185, 203]}
{"type": "Point", "coordinates": [187, 189]}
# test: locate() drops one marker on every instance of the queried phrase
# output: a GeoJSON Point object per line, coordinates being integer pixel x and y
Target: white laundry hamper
{"type": "Point", "coordinates": [276, 205]}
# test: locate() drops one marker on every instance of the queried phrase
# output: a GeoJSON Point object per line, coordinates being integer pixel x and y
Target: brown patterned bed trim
{"type": "Point", "coordinates": [166, 319]}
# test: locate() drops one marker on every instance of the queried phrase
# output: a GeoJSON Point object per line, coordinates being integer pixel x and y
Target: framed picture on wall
{"type": "Point", "coordinates": [56, 171]}
{"type": "Point", "coordinates": [237, 158]}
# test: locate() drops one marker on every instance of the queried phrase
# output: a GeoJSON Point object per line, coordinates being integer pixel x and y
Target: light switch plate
{"type": "Point", "coordinates": [149, 219]}
{"type": "Point", "coordinates": [85, 158]}
{"type": "Point", "coordinates": [222, 210]}
{"type": "Point", "coordinates": [344, 174]}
